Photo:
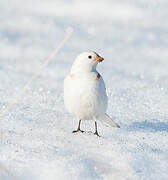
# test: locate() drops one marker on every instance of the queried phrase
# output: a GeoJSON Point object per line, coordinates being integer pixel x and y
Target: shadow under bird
{"type": "Point", "coordinates": [85, 94]}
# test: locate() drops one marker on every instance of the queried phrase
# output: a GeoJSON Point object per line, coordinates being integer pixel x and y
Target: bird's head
{"type": "Point", "coordinates": [86, 61]}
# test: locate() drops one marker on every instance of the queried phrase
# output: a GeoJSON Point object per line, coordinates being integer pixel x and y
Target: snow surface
{"type": "Point", "coordinates": [36, 142]}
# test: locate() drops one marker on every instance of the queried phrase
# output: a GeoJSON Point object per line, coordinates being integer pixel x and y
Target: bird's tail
{"type": "Point", "coordinates": [107, 120]}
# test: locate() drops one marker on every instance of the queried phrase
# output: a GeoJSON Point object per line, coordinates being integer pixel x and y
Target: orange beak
{"type": "Point", "coordinates": [99, 59]}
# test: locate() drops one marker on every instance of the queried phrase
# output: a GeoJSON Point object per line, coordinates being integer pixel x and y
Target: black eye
{"type": "Point", "coordinates": [90, 57]}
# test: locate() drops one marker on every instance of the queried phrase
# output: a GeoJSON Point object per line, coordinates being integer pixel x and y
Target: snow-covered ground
{"type": "Point", "coordinates": [36, 142]}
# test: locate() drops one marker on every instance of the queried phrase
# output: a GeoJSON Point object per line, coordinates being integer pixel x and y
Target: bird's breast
{"type": "Point", "coordinates": [85, 93]}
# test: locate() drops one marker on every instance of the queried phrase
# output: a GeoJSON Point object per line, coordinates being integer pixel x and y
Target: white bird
{"type": "Point", "coordinates": [85, 93]}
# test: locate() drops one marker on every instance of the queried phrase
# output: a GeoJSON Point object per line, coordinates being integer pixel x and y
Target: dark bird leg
{"type": "Point", "coordinates": [96, 132]}
{"type": "Point", "coordinates": [78, 128]}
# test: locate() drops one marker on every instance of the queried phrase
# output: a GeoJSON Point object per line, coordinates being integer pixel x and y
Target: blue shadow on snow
{"type": "Point", "coordinates": [149, 126]}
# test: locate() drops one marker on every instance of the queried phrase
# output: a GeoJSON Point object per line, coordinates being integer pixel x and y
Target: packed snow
{"type": "Point", "coordinates": [36, 141]}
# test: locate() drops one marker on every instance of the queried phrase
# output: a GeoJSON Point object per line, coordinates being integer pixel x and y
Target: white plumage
{"type": "Point", "coordinates": [84, 91]}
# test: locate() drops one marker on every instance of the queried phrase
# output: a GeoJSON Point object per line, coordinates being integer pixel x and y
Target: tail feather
{"type": "Point", "coordinates": [107, 120]}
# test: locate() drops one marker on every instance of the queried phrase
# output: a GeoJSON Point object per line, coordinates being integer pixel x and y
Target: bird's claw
{"type": "Point", "coordinates": [96, 133]}
{"type": "Point", "coordinates": [78, 130]}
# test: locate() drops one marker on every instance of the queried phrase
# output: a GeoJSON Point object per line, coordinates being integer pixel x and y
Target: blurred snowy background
{"type": "Point", "coordinates": [36, 142]}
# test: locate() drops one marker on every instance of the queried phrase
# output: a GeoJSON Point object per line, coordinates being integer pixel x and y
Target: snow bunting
{"type": "Point", "coordinates": [84, 91]}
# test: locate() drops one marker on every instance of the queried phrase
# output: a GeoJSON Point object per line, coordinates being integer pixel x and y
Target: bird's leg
{"type": "Point", "coordinates": [96, 132]}
{"type": "Point", "coordinates": [78, 128]}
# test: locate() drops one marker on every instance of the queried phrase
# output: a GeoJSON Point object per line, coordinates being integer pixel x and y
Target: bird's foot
{"type": "Point", "coordinates": [78, 130]}
{"type": "Point", "coordinates": [96, 133]}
